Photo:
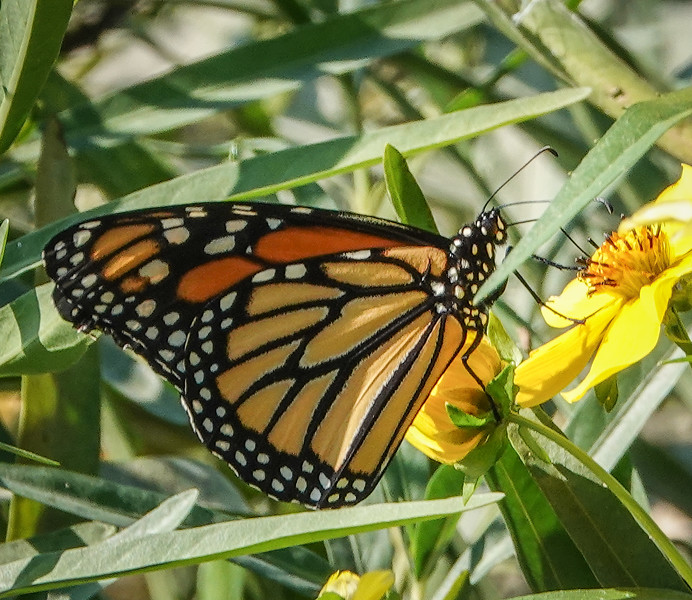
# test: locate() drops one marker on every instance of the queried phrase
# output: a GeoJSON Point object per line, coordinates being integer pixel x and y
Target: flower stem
{"type": "Point", "coordinates": [640, 515]}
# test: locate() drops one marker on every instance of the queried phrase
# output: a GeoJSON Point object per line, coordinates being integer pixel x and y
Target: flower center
{"type": "Point", "coordinates": [626, 263]}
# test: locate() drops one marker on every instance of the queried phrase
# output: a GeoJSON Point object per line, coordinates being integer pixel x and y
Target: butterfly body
{"type": "Point", "coordinates": [303, 341]}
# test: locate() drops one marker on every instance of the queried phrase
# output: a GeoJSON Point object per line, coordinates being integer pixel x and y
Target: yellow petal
{"type": "Point", "coordinates": [342, 583]}
{"type": "Point", "coordinates": [679, 269]}
{"type": "Point", "coordinates": [576, 303]}
{"type": "Point", "coordinates": [432, 431]}
{"type": "Point", "coordinates": [373, 585]}
{"type": "Point", "coordinates": [632, 335]}
{"type": "Point", "coordinates": [673, 208]}
{"type": "Point", "coordinates": [552, 366]}
{"type": "Point", "coordinates": [679, 190]}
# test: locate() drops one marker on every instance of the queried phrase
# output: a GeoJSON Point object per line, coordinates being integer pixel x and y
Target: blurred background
{"type": "Point", "coordinates": [115, 48]}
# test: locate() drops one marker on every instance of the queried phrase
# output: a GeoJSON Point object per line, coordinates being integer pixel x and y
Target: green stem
{"type": "Point", "coordinates": [641, 516]}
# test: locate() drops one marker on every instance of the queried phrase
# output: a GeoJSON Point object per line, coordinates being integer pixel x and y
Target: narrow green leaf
{"type": "Point", "coordinates": [55, 177]}
{"type": "Point", "coordinates": [120, 504]}
{"type": "Point", "coordinates": [475, 464]}
{"type": "Point", "coordinates": [617, 151]}
{"type": "Point", "coordinates": [223, 540]}
{"type": "Point", "coordinates": [339, 44]}
{"type": "Point", "coordinates": [220, 580]}
{"type": "Point", "coordinates": [407, 197]}
{"type": "Point", "coordinates": [32, 456]}
{"type": "Point", "coordinates": [35, 338]}
{"type": "Point", "coordinates": [546, 553]}
{"type": "Point", "coordinates": [610, 594]}
{"type": "Point", "coordinates": [117, 169]}
{"type": "Point", "coordinates": [91, 497]}
{"type": "Point", "coordinates": [165, 517]}
{"type": "Point", "coordinates": [31, 32]}
{"type": "Point", "coordinates": [506, 347]}
{"type": "Point", "coordinates": [613, 543]}
{"type": "Point", "coordinates": [81, 534]}
{"type": "Point", "coordinates": [292, 167]}
{"type": "Point", "coordinates": [634, 410]}
{"type": "Point", "coordinates": [502, 390]}
{"type": "Point", "coordinates": [135, 381]}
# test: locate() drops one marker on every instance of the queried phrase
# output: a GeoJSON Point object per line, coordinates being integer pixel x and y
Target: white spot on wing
{"type": "Point", "coordinates": [179, 235]}
{"type": "Point", "coordinates": [146, 308]}
{"type": "Point", "coordinates": [296, 271]}
{"type": "Point", "coordinates": [177, 338]}
{"type": "Point", "coordinates": [220, 245]}
{"type": "Point", "coordinates": [235, 225]}
{"type": "Point", "coordinates": [81, 237]}
{"type": "Point", "coordinates": [155, 270]}
{"type": "Point", "coordinates": [266, 275]}
{"type": "Point", "coordinates": [227, 301]}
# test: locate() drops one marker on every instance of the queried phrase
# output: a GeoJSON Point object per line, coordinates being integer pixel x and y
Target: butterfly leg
{"type": "Point", "coordinates": [536, 297]}
{"type": "Point", "coordinates": [465, 361]}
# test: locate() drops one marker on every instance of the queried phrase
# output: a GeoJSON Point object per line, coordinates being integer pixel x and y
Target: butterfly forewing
{"type": "Point", "coordinates": [142, 277]}
{"type": "Point", "coordinates": [303, 341]}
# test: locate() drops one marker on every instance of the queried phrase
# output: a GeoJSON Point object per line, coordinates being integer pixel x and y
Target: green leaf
{"type": "Point", "coordinates": [4, 229]}
{"type": "Point", "coordinates": [31, 456]}
{"type": "Point", "coordinates": [57, 409]}
{"type": "Point", "coordinates": [609, 536]}
{"type": "Point", "coordinates": [407, 197]}
{"type": "Point", "coordinates": [502, 390]}
{"type": "Point", "coordinates": [55, 177]}
{"type": "Point", "coordinates": [222, 540]}
{"type": "Point", "coordinates": [91, 497]}
{"type": "Point", "coordinates": [292, 167]}
{"type": "Point", "coordinates": [462, 419]}
{"type": "Point", "coordinates": [617, 151]}
{"type": "Point", "coordinates": [120, 504]}
{"type": "Point", "coordinates": [117, 169]}
{"type": "Point", "coordinates": [475, 464]}
{"type": "Point", "coordinates": [546, 553]}
{"type": "Point", "coordinates": [607, 393]}
{"type": "Point", "coordinates": [31, 33]}
{"type": "Point", "coordinates": [165, 517]}
{"type": "Point", "coordinates": [265, 68]}
{"type": "Point", "coordinates": [35, 338]}
{"type": "Point", "coordinates": [645, 386]}
{"type": "Point", "coordinates": [81, 534]}
{"type": "Point", "coordinates": [609, 594]}
{"type": "Point", "coordinates": [506, 347]}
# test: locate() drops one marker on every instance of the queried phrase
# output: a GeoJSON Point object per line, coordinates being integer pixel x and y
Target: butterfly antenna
{"type": "Point", "coordinates": [562, 229]}
{"type": "Point", "coordinates": [513, 175]}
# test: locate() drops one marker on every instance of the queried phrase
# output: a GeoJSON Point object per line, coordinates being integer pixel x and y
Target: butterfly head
{"type": "Point", "coordinates": [491, 226]}
{"type": "Point", "coordinates": [475, 243]}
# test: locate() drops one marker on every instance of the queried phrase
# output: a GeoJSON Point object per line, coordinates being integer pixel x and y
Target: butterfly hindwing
{"type": "Point", "coordinates": [304, 378]}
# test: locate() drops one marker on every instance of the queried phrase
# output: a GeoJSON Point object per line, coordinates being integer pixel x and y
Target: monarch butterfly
{"type": "Point", "coordinates": [303, 341]}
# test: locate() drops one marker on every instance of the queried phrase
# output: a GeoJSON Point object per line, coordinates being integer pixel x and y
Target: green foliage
{"type": "Point", "coordinates": [294, 101]}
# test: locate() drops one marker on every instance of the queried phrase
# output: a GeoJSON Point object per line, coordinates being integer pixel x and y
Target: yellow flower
{"type": "Point", "coordinates": [349, 586]}
{"type": "Point", "coordinates": [432, 431]}
{"type": "Point", "coordinates": [622, 295]}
